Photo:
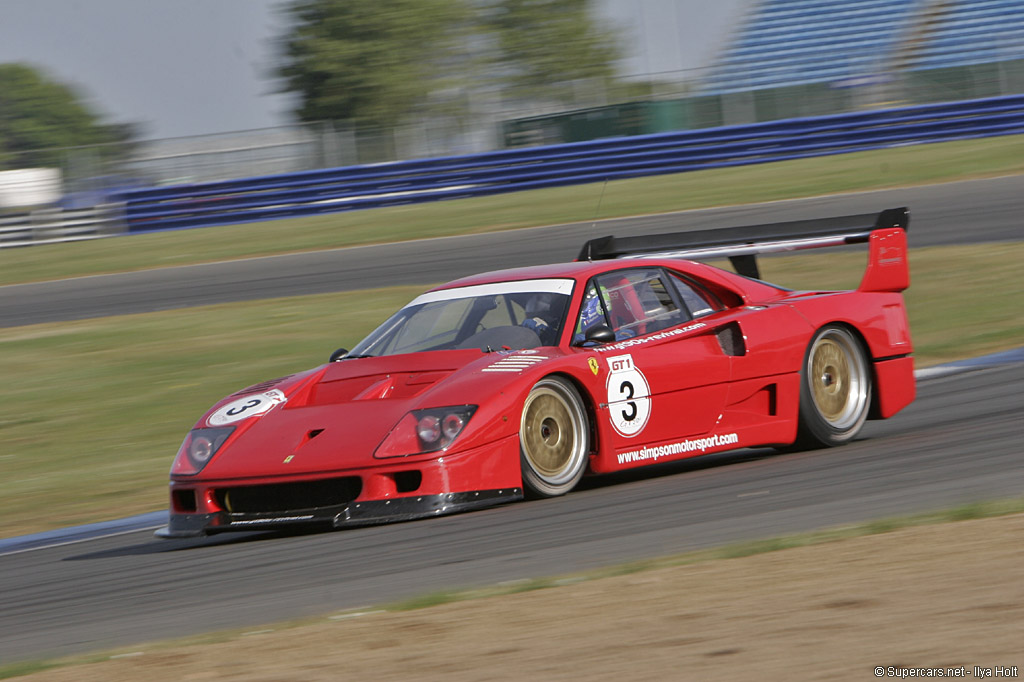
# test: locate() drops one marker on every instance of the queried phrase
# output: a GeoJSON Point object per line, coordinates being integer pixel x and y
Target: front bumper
{"type": "Point", "coordinates": [391, 490]}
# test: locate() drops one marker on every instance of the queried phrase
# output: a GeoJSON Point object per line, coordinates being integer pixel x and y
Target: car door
{"type": "Point", "coordinates": [666, 374]}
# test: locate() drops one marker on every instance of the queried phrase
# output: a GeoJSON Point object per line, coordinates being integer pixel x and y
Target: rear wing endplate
{"type": "Point", "coordinates": [742, 244]}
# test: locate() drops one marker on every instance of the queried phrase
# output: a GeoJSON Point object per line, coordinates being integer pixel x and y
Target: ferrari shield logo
{"type": "Point", "coordinates": [594, 367]}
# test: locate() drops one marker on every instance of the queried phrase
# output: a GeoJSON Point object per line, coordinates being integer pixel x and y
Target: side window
{"type": "Point", "coordinates": [697, 300]}
{"type": "Point", "coordinates": [622, 303]}
{"type": "Point", "coordinates": [659, 308]}
{"type": "Point", "coordinates": [592, 313]}
{"type": "Point", "coordinates": [638, 301]}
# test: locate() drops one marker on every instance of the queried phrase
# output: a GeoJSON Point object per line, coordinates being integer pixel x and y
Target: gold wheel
{"type": "Point", "coordinates": [838, 384]}
{"type": "Point", "coordinates": [830, 379]}
{"type": "Point", "coordinates": [553, 438]}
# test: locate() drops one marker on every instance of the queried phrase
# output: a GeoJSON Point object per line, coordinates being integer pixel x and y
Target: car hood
{"type": "Point", "coordinates": [333, 418]}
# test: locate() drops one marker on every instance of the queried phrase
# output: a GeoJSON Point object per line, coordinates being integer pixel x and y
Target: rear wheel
{"type": "Point", "coordinates": [835, 388]}
{"type": "Point", "coordinates": [553, 438]}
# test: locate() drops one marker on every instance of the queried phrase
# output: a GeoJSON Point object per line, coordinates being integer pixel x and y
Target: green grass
{"type": "Point", "coordinates": [93, 411]}
{"type": "Point", "coordinates": [26, 668]}
{"type": "Point", "coordinates": [896, 167]}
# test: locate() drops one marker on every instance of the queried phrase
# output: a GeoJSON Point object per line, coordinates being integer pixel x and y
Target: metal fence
{"type": "Point", "coordinates": [357, 187]}
{"type": "Point", "coordinates": [54, 225]}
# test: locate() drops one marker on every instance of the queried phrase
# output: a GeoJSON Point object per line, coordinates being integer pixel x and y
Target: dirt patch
{"type": "Point", "coordinates": [949, 596]}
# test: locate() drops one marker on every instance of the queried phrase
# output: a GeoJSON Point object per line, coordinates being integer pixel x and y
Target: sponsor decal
{"type": "Point", "coordinates": [515, 363]}
{"type": "Point", "coordinates": [594, 366]}
{"type": "Point", "coordinates": [629, 396]}
{"type": "Point", "coordinates": [622, 345]}
{"type": "Point", "coordinates": [276, 519]}
{"type": "Point", "coordinates": [249, 406]}
{"type": "Point", "coordinates": [681, 447]}
{"type": "Point", "coordinates": [890, 255]}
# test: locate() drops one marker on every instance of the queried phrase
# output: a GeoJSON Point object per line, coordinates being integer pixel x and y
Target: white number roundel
{"type": "Point", "coordinates": [629, 396]}
{"type": "Point", "coordinates": [245, 407]}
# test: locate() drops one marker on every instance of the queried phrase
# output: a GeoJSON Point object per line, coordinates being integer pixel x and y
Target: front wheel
{"type": "Point", "coordinates": [553, 438]}
{"type": "Point", "coordinates": [835, 389]}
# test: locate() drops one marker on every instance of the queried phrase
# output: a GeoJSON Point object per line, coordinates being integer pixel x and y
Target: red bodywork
{"type": "Point", "coordinates": [705, 395]}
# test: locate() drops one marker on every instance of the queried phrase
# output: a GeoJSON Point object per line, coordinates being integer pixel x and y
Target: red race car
{"type": "Point", "coordinates": [517, 383]}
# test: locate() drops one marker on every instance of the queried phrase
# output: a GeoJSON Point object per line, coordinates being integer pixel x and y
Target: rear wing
{"type": "Point", "coordinates": [885, 233]}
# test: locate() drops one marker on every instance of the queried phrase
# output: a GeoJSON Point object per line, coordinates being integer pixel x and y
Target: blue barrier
{"type": "Point", "coordinates": [513, 170]}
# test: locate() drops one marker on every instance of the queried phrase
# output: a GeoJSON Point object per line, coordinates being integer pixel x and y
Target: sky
{"type": "Point", "coordinates": [195, 67]}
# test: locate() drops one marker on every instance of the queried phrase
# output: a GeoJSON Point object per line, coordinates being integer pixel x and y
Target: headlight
{"type": "Point", "coordinates": [199, 448]}
{"type": "Point", "coordinates": [423, 431]}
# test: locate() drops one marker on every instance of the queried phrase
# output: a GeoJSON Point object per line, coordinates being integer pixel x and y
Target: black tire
{"type": "Point", "coordinates": [554, 435]}
{"type": "Point", "coordinates": [835, 389]}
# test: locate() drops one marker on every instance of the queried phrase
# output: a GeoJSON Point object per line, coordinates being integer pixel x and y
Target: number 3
{"type": "Point", "coordinates": [255, 402]}
{"type": "Point", "coordinates": [631, 414]}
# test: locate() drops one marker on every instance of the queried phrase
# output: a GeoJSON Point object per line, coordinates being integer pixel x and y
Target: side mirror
{"type": "Point", "coordinates": [338, 354]}
{"type": "Point", "coordinates": [599, 333]}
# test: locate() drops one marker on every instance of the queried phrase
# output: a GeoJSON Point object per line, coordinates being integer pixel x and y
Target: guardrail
{"type": "Point", "coordinates": [53, 225]}
{"type": "Point", "coordinates": [406, 182]}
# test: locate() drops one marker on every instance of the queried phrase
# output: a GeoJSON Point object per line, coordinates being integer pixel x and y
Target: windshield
{"type": "Point", "coordinates": [506, 315]}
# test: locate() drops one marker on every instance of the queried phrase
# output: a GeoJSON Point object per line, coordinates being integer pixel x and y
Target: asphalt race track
{"type": "Point", "coordinates": [974, 211]}
{"type": "Point", "coordinates": [960, 442]}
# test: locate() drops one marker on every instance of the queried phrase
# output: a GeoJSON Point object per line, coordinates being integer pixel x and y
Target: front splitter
{"type": "Point", "coordinates": [350, 515]}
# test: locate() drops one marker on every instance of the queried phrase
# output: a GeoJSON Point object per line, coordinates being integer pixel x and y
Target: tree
{"type": "Point", "coordinates": [543, 45]}
{"type": "Point", "coordinates": [39, 116]}
{"type": "Point", "coordinates": [372, 62]}
{"type": "Point", "coordinates": [379, 62]}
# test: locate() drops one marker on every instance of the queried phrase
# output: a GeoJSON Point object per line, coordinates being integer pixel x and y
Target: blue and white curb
{"type": "Point", "coordinates": [1005, 358]}
{"type": "Point", "coordinates": [91, 531]}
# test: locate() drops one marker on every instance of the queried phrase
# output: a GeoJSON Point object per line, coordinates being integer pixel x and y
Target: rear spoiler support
{"type": "Point", "coordinates": [742, 244]}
